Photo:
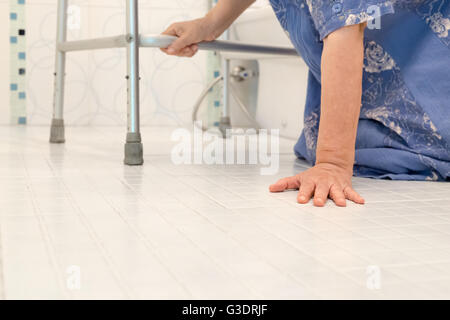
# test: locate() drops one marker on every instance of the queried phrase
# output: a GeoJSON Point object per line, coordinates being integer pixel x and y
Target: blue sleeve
{"type": "Point", "coordinates": [330, 15]}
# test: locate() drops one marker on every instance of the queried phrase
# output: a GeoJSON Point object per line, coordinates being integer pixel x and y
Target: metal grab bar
{"type": "Point", "coordinates": [163, 41]}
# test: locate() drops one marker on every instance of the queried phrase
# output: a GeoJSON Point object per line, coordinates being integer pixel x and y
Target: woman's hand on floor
{"type": "Point", "coordinates": [342, 72]}
{"type": "Point", "coordinates": [321, 182]}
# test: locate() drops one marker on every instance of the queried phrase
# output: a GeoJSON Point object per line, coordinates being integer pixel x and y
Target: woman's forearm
{"type": "Point", "coordinates": [342, 70]}
{"type": "Point", "coordinates": [209, 28]}
{"type": "Point", "coordinates": [225, 12]}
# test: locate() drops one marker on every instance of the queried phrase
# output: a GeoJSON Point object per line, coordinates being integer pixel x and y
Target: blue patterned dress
{"type": "Point", "coordinates": [404, 127]}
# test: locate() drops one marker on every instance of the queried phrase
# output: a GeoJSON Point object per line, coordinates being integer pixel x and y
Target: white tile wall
{"type": "Point", "coordinates": [96, 92]}
{"type": "Point", "coordinates": [4, 62]}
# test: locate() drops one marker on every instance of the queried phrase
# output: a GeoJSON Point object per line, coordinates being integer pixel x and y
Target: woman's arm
{"type": "Point", "coordinates": [205, 29]}
{"type": "Point", "coordinates": [225, 12]}
{"type": "Point", "coordinates": [342, 69]}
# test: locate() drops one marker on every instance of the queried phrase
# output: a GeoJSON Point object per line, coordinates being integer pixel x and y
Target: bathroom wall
{"type": "Point", "coordinates": [96, 87]}
{"type": "Point", "coordinates": [4, 62]}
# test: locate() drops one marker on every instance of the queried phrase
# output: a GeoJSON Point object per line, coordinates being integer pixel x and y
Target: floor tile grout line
{"type": "Point", "coordinates": [343, 271]}
{"type": "Point", "coordinates": [346, 229]}
{"type": "Point", "coordinates": [80, 215]}
{"type": "Point", "coordinates": [415, 237]}
{"type": "Point", "coordinates": [2, 277]}
{"type": "Point", "coordinates": [418, 263]}
{"type": "Point", "coordinates": [149, 246]}
{"type": "Point", "coordinates": [308, 254]}
{"type": "Point", "coordinates": [194, 244]}
{"type": "Point", "coordinates": [346, 250]}
{"type": "Point", "coordinates": [205, 195]}
{"type": "Point", "coordinates": [255, 253]}
{"type": "Point", "coordinates": [46, 238]}
{"type": "Point", "coordinates": [375, 240]}
{"type": "Point", "coordinates": [105, 255]}
{"type": "Point", "coordinates": [287, 274]}
{"type": "Point", "coordinates": [217, 201]}
{"type": "Point", "coordinates": [224, 187]}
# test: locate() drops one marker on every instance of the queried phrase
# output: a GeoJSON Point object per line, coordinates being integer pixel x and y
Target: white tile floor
{"type": "Point", "coordinates": [203, 232]}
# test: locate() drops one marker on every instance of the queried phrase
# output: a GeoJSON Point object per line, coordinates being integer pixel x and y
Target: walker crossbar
{"type": "Point", "coordinates": [93, 44]}
{"type": "Point", "coordinates": [132, 41]}
{"type": "Point", "coordinates": [162, 41]}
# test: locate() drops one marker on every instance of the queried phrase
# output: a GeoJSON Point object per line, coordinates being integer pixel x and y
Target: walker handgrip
{"type": "Point", "coordinates": [163, 41]}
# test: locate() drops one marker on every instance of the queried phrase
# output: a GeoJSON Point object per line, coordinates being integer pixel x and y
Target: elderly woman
{"type": "Point", "coordinates": [378, 101]}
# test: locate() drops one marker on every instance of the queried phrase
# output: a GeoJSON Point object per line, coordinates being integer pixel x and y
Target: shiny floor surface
{"type": "Point", "coordinates": [77, 224]}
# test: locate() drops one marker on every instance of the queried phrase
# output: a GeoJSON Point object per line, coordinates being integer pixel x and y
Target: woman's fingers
{"type": "Point", "coordinates": [190, 51]}
{"type": "Point", "coordinates": [321, 194]}
{"type": "Point", "coordinates": [285, 184]}
{"type": "Point", "coordinates": [194, 48]}
{"type": "Point", "coordinates": [183, 47]}
{"type": "Point", "coordinates": [319, 185]}
{"type": "Point", "coordinates": [181, 43]}
{"type": "Point", "coordinates": [187, 34]}
{"type": "Point", "coordinates": [177, 47]}
{"type": "Point", "coordinates": [185, 40]}
{"type": "Point", "coordinates": [306, 192]}
{"type": "Point", "coordinates": [352, 195]}
{"type": "Point", "coordinates": [337, 195]}
{"type": "Point", "coordinates": [171, 30]}
{"type": "Point", "coordinates": [186, 52]}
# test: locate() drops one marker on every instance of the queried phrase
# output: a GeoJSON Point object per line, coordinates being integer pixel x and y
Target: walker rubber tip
{"type": "Point", "coordinates": [134, 155]}
{"type": "Point", "coordinates": [57, 131]}
{"type": "Point", "coordinates": [134, 151]}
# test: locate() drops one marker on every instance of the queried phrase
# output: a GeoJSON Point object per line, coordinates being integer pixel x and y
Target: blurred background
{"type": "Point", "coordinates": [95, 82]}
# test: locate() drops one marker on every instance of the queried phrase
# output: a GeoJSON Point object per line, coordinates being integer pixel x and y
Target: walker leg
{"type": "Point", "coordinates": [134, 154]}
{"type": "Point", "coordinates": [57, 129]}
{"type": "Point", "coordinates": [225, 120]}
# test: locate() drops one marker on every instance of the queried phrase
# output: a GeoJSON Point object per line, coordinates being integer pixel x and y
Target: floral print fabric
{"type": "Point", "coordinates": [404, 128]}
